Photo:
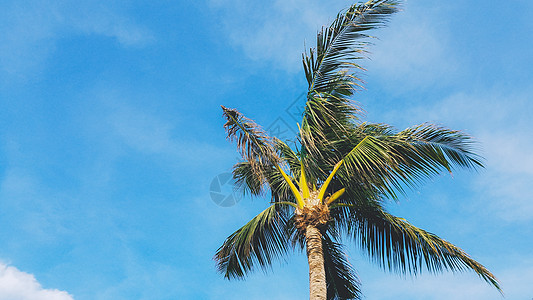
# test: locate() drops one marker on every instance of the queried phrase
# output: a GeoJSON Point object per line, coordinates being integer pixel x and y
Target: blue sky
{"type": "Point", "coordinates": [111, 134]}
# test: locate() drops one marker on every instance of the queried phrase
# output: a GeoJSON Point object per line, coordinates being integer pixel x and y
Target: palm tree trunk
{"type": "Point", "coordinates": [315, 257]}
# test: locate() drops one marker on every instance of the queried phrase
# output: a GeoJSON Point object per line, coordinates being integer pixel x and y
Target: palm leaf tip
{"type": "Point", "coordinates": [398, 246]}
{"type": "Point", "coordinates": [341, 44]}
{"type": "Point", "coordinates": [331, 67]}
{"type": "Point", "coordinates": [253, 143]}
{"type": "Point", "coordinates": [439, 147]}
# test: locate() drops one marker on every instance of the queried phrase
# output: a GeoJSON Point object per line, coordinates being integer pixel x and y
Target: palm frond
{"type": "Point", "coordinates": [440, 147]}
{"type": "Point", "coordinates": [270, 179]}
{"type": "Point", "coordinates": [254, 144]}
{"type": "Point", "coordinates": [329, 112]}
{"type": "Point", "coordinates": [247, 180]}
{"type": "Point", "coordinates": [288, 155]}
{"type": "Point", "coordinates": [341, 44]}
{"type": "Point", "coordinates": [257, 149]}
{"type": "Point", "coordinates": [390, 161]}
{"type": "Point", "coordinates": [341, 279]}
{"type": "Point", "coordinates": [256, 179]}
{"type": "Point", "coordinates": [399, 246]}
{"type": "Point", "coordinates": [372, 163]}
{"type": "Point", "coordinates": [296, 238]}
{"type": "Point", "coordinates": [258, 242]}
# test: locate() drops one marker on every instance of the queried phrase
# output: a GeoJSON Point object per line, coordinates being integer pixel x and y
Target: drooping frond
{"type": "Point", "coordinates": [358, 197]}
{"type": "Point", "coordinates": [253, 142]}
{"type": "Point", "coordinates": [256, 148]}
{"type": "Point", "coordinates": [342, 282]}
{"type": "Point", "coordinates": [258, 242]}
{"type": "Point", "coordinates": [246, 178]}
{"type": "Point", "coordinates": [297, 239]}
{"type": "Point", "coordinates": [398, 246]}
{"type": "Point", "coordinates": [257, 179]}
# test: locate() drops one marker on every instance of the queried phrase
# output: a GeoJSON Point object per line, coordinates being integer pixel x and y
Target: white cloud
{"type": "Point", "coordinates": [158, 281]}
{"type": "Point", "coordinates": [116, 128]}
{"type": "Point", "coordinates": [37, 212]}
{"type": "Point", "coordinates": [414, 47]}
{"type": "Point", "coordinates": [515, 282]}
{"type": "Point", "coordinates": [276, 31]}
{"type": "Point", "coordinates": [150, 134]}
{"type": "Point", "coordinates": [31, 29]}
{"type": "Point", "coordinates": [18, 285]}
{"type": "Point", "coordinates": [413, 51]}
{"type": "Point", "coordinates": [503, 130]}
{"type": "Point", "coordinates": [502, 126]}
{"type": "Point", "coordinates": [141, 131]}
{"type": "Point", "coordinates": [25, 39]}
{"type": "Point", "coordinates": [107, 21]}
{"type": "Point", "coordinates": [506, 183]}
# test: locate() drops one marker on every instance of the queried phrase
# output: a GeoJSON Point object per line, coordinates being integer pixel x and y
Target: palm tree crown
{"type": "Point", "coordinates": [335, 181]}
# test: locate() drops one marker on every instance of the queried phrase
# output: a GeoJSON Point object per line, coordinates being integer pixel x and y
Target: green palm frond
{"type": "Point", "coordinates": [296, 238]}
{"type": "Point", "coordinates": [254, 144]}
{"type": "Point", "coordinates": [341, 44]}
{"type": "Point", "coordinates": [246, 178]}
{"type": "Point", "coordinates": [329, 112]}
{"type": "Point", "coordinates": [376, 155]}
{"type": "Point", "coordinates": [256, 179]}
{"type": "Point", "coordinates": [440, 146]}
{"type": "Point", "coordinates": [345, 169]}
{"type": "Point", "coordinates": [288, 155]}
{"type": "Point", "coordinates": [258, 242]}
{"type": "Point", "coordinates": [342, 282]}
{"type": "Point", "coordinates": [370, 162]}
{"type": "Point", "coordinates": [357, 198]}
{"type": "Point", "coordinates": [398, 246]}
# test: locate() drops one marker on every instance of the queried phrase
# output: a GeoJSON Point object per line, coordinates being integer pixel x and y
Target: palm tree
{"type": "Point", "coordinates": [334, 181]}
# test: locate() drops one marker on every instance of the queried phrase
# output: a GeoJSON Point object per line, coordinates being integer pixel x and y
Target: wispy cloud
{"type": "Point", "coordinates": [30, 31]}
{"type": "Point", "coordinates": [15, 284]}
{"type": "Point", "coordinates": [159, 281]}
{"type": "Point", "coordinates": [124, 127]}
{"type": "Point", "coordinates": [116, 128]}
{"type": "Point", "coordinates": [108, 21]}
{"type": "Point", "coordinates": [36, 212]}
{"type": "Point", "coordinates": [275, 31]}
{"type": "Point", "coordinates": [515, 282]}
{"type": "Point", "coordinates": [501, 124]}
{"type": "Point", "coordinates": [413, 51]}
{"type": "Point", "coordinates": [280, 31]}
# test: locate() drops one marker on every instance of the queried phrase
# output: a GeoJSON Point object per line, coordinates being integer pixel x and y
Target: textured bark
{"type": "Point", "coordinates": [315, 257]}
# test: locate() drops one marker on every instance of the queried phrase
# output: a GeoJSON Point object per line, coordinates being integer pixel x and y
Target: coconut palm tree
{"type": "Point", "coordinates": [334, 182]}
